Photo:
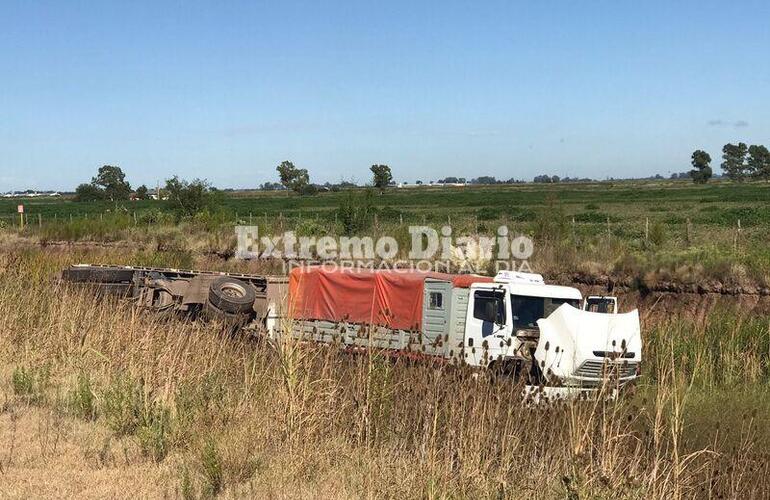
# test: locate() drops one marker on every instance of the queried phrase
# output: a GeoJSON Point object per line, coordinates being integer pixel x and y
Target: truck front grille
{"type": "Point", "coordinates": [600, 369]}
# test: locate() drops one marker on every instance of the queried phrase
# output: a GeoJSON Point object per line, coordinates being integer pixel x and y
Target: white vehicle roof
{"type": "Point", "coordinates": [534, 290]}
{"type": "Point", "coordinates": [548, 291]}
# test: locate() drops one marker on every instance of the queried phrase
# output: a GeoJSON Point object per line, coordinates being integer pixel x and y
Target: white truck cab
{"type": "Point", "coordinates": [548, 334]}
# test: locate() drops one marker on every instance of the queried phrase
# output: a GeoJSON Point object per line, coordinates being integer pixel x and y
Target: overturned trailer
{"type": "Point", "coordinates": [514, 323]}
{"type": "Point", "coordinates": [243, 298]}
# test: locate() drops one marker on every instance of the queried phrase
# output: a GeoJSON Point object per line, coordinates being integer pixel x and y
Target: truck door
{"type": "Point", "coordinates": [436, 312]}
{"type": "Point", "coordinates": [486, 331]}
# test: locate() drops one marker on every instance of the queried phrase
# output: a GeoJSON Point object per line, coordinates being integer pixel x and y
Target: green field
{"type": "Point", "coordinates": [719, 203]}
{"type": "Point", "coordinates": [674, 229]}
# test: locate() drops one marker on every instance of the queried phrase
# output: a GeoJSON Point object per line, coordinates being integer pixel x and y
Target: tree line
{"type": "Point", "coordinates": [188, 197]}
{"type": "Point", "coordinates": [298, 179]}
{"type": "Point", "coordinates": [739, 163]}
{"type": "Point", "coordinates": [193, 196]}
{"type": "Point", "coordinates": [109, 184]}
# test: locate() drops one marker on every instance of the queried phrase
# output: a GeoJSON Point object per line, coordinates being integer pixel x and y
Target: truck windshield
{"type": "Point", "coordinates": [527, 310]}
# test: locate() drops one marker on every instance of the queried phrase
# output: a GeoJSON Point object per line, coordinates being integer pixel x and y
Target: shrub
{"type": "Point", "coordinates": [187, 489]}
{"type": "Point", "coordinates": [154, 431]}
{"type": "Point", "coordinates": [211, 461]}
{"type": "Point", "coordinates": [81, 400]}
{"type": "Point", "coordinates": [191, 197]}
{"type": "Point", "coordinates": [309, 227]}
{"type": "Point", "coordinates": [356, 213]}
{"type": "Point", "coordinates": [128, 411]}
{"type": "Point", "coordinates": [657, 234]}
{"type": "Point", "coordinates": [123, 405]}
{"type": "Point", "coordinates": [30, 383]}
{"type": "Point", "coordinates": [594, 217]}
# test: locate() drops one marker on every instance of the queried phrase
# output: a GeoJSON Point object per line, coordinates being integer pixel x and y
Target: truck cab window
{"type": "Point", "coordinates": [436, 300]}
{"type": "Point", "coordinates": [527, 310]}
{"type": "Point", "coordinates": [489, 306]}
{"type": "Point", "coordinates": [552, 304]}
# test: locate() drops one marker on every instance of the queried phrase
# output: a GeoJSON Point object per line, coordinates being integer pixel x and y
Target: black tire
{"type": "Point", "coordinates": [98, 275]}
{"type": "Point", "coordinates": [231, 320]}
{"type": "Point", "coordinates": [232, 295]}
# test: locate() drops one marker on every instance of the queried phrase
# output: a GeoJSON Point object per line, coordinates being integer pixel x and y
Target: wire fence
{"type": "Point", "coordinates": [330, 221]}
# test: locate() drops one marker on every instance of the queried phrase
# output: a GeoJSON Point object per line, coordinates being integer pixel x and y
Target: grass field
{"type": "Point", "coordinates": [677, 199]}
{"type": "Point", "coordinates": [646, 230]}
{"type": "Point", "coordinates": [98, 400]}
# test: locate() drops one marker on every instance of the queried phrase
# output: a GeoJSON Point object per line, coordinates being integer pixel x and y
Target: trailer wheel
{"type": "Point", "coordinates": [98, 275]}
{"type": "Point", "coordinates": [232, 295]}
{"type": "Point", "coordinates": [233, 321]}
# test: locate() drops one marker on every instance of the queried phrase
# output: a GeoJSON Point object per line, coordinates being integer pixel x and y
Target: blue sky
{"type": "Point", "coordinates": [227, 90]}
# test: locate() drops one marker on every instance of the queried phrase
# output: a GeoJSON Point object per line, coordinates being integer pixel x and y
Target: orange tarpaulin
{"type": "Point", "coordinates": [390, 298]}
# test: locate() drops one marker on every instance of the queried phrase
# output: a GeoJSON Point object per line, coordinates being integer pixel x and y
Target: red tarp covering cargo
{"type": "Point", "coordinates": [390, 298]}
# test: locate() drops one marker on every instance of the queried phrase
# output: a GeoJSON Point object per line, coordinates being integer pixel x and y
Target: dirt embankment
{"type": "Point", "coordinates": [657, 299]}
{"type": "Point", "coordinates": [666, 299]}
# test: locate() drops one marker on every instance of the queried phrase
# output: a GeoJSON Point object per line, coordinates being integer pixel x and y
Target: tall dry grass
{"type": "Point", "coordinates": [207, 413]}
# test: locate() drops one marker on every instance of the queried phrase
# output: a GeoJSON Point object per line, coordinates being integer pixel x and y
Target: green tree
{"type": "Point", "coordinates": [382, 176]}
{"type": "Point", "coordinates": [759, 162]}
{"type": "Point", "coordinates": [113, 181]}
{"type": "Point", "coordinates": [88, 192]}
{"type": "Point", "coordinates": [701, 171]}
{"type": "Point", "coordinates": [190, 197]}
{"type": "Point", "coordinates": [734, 161]}
{"type": "Point", "coordinates": [142, 193]}
{"type": "Point", "coordinates": [296, 179]}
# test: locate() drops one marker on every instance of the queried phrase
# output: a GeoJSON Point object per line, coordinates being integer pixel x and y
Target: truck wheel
{"type": "Point", "coordinates": [232, 320]}
{"type": "Point", "coordinates": [97, 275]}
{"type": "Point", "coordinates": [232, 295]}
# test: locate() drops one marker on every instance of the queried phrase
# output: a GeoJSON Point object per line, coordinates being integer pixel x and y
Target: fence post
{"type": "Point", "coordinates": [39, 220]}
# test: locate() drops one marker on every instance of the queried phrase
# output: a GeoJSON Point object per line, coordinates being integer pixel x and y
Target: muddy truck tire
{"type": "Point", "coordinates": [232, 296]}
